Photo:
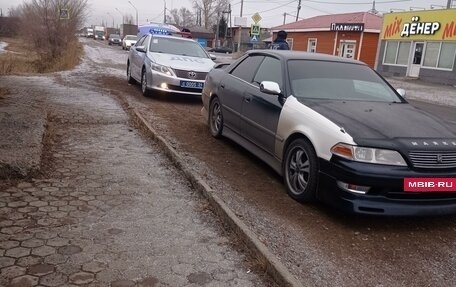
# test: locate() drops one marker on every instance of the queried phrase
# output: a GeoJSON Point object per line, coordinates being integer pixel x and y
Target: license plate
{"type": "Point", "coordinates": [430, 184]}
{"type": "Point", "coordinates": [191, 85]}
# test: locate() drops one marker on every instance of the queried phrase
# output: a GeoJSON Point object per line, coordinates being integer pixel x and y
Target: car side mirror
{"type": "Point", "coordinates": [401, 92]}
{"type": "Point", "coordinates": [213, 57]}
{"type": "Point", "coordinates": [141, 49]}
{"type": "Point", "coordinates": [271, 88]}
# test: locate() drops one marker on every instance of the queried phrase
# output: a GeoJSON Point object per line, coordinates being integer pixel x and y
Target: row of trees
{"type": "Point", "coordinates": [206, 12]}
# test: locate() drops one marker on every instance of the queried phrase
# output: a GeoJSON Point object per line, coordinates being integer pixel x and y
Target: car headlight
{"type": "Point", "coordinates": [369, 155]}
{"type": "Point", "coordinates": [162, 69]}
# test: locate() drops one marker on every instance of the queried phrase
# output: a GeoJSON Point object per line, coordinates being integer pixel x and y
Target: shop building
{"type": "Point", "coordinates": [350, 35]}
{"type": "Point", "coordinates": [419, 44]}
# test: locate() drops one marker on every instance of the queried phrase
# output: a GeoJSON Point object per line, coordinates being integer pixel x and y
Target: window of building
{"type": "Point", "coordinates": [397, 53]}
{"type": "Point", "coordinates": [312, 45]}
{"type": "Point", "coordinates": [447, 55]}
{"type": "Point", "coordinates": [440, 55]}
{"type": "Point", "coordinates": [290, 43]}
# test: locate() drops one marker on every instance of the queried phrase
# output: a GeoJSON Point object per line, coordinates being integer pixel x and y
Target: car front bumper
{"type": "Point", "coordinates": [169, 84]}
{"type": "Point", "coordinates": [386, 195]}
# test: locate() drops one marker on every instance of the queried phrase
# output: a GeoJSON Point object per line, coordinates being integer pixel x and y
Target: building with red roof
{"type": "Point", "coordinates": [351, 35]}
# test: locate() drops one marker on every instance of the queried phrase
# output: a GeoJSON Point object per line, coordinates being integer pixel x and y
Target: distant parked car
{"type": "Point", "coordinates": [114, 39]}
{"type": "Point", "coordinates": [221, 50]}
{"type": "Point", "coordinates": [128, 41]}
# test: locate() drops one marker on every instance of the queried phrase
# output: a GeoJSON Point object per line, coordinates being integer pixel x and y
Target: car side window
{"type": "Point", "coordinates": [141, 41]}
{"type": "Point", "coordinates": [247, 68]}
{"type": "Point", "coordinates": [269, 70]}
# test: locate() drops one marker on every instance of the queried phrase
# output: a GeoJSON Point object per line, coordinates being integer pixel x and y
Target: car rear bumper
{"type": "Point", "coordinates": [386, 195]}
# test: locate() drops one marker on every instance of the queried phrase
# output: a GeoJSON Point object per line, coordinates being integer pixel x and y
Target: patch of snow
{"type": "Point", "coordinates": [426, 92]}
{"type": "Point", "coordinates": [2, 47]}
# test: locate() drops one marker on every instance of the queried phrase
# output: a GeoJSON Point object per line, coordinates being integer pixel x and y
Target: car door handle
{"type": "Point", "coordinates": [222, 86]}
{"type": "Point", "coordinates": [247, 99]}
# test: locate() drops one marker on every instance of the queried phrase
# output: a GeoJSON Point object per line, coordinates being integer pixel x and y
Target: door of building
{"type": "Point", "coordinates": [417, 59]}
{"type": "Point", "coordinates": [347, 49]}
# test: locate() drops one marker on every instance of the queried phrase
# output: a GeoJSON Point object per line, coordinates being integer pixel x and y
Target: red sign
{"type": "Point", "coordinates": [421, 184]}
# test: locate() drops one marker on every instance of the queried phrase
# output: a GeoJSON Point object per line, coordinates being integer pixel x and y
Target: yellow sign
{"type": "Point", "coordinates": [437, 25]}
{"type": "Point", "coordinates": [256, 18]}
{"type": "Point", "coordinates": [255, 30]}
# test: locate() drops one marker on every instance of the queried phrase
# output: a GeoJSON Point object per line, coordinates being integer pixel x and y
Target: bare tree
{"type": "Point", "coordinates": [182, 17]}
{"type": "Point", "coordinates": [51, 25]}
{"type": "Point", "coordinates": [210, 9]}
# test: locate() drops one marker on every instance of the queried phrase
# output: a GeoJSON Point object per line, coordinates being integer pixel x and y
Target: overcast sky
{"type": "Point", "coordinates": [270, 10]}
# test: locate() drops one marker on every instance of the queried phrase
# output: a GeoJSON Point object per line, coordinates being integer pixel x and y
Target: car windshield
{"type": "Point", "coordinates": [313, 79]}
{"type": "Point", "coordinates": [177, 47]}
{"type": "Point", "coordinates": [130, 37]}
{"type": "Point", "coordinates": [114, 36]}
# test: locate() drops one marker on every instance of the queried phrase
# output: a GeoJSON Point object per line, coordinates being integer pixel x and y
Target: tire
{"type": "Point", "coordinates": [300, 171]}
{"type": "Point", "coordinates": [129, 78]}
{"type": "Point", "coordinates": [144, 89]}
{"type": "Point", "coordinates": [215, 118]}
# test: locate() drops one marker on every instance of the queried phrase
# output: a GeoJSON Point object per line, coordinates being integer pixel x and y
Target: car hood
{"type": "Point", "coordinates": [182, 62]}
{"type": "Point", "coordinates": [389, 125]}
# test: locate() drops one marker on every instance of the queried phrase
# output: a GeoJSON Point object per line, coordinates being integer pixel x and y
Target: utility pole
{"type": "Point", "coordinates": [240, 28]}
{"type": "Point", "coordinates": [284, 17]}
{"type": "Point", "coordinates": [299, 8]}
{"type": "Point", "coordinates": [229, 16]}
{"type": "Point", "coordinates": [120, 15]}
{"type": "Point", "coordinates": [136, 12]}
{"type": "Point", "coordinates": [217, 30]}
{"type": "Point", "coordinates": [449, 4]}
{"type": "Point", "coordinates": [164, 12]}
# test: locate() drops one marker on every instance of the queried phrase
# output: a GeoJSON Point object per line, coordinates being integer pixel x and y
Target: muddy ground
{"type": "Point", "coordinates": [320, 246]}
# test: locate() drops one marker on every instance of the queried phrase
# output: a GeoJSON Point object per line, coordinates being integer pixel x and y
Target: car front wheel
{"type": "Point", "coordinates": [300, 170]}
{"type": "Point", "coordinates": [129, 78]}
{"type": "Point", "coordinates": [216, 118]}
{"type": "Point", "coordinates": [144, 88]}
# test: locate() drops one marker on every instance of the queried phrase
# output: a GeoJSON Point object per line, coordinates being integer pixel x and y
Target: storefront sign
{"type": "Point", "coordinates": [347, 27]}
{"type": "Point", "coordinates": [420, 25]}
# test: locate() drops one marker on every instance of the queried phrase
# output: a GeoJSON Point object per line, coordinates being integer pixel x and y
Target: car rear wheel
{"type": "Point", "coordinates": [144, 89]}
{"type": "Point", "coordinates": [301, 171]}
{"type": "Point", "coordinates": [216, 118]}
{"type": "Point", "coordinates": [129, 78]}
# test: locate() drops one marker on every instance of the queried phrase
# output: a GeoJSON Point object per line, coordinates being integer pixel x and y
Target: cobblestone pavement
{"type": "Point", "coordinates": [110, 209]}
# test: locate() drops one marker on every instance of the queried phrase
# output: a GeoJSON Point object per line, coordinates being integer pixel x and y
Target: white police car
{"type": "Point", "coordinates": [162, 62]}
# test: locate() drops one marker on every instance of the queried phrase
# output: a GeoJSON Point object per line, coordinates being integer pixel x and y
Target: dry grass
{"type": "Point", "coordinates": [21, 58]}
{"type": "Point", "coordinates": [18, 59]}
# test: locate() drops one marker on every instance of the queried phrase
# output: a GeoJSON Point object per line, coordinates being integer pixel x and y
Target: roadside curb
{"type": "Point", "coordinates": [273, 266]}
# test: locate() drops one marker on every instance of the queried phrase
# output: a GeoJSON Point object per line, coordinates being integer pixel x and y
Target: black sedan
{"type": "Point", "coordinates": [221, 49]}
{"type": "Point", "coordinates": [336, 131]}
{"type": "Point", "coordinates": [114, 39]}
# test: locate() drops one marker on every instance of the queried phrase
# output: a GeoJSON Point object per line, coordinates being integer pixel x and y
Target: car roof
{"type": "Point", "coordinates": [172, 37]}
{"type": "Point", "coordinates": [299, 55]}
